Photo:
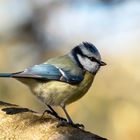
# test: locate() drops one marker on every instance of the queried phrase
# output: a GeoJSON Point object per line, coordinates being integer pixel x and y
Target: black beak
{"type": "Point", "coordinates": [102, 63]}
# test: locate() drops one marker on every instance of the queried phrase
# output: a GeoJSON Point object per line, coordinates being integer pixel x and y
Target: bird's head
{"type": "Point", "coordinates": [87, 57]}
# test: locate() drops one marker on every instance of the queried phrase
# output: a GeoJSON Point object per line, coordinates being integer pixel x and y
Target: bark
{"type": "Point", "coordinates": [17, 123]}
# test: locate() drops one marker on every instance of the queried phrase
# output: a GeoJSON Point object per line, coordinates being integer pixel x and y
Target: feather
{"type": "Point", "coordinates": [49, 72]}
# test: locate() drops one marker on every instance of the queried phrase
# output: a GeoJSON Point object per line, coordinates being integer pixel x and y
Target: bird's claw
{"type": "Point", "coordinates": [77, 125]}
{"type": "Point", "coordinates": [65, 123]}
{"type": "Point", "coordinates": [61, 119]}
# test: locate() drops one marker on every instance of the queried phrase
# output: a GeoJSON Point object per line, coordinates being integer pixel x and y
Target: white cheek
{"type": "Point", "coordinates": [88, 64]}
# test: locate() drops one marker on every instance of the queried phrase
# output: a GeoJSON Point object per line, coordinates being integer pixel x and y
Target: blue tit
{"type": "Point", "coordinates": [63, 79]}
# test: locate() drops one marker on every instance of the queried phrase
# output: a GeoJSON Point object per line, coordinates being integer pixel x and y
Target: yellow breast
{"type": "Point", "coordinates": [80, 89]}
{"type": "Point", "coordinates": [60, 93]}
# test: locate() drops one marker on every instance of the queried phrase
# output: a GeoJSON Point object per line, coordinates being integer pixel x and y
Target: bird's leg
{"type": "Point", "coordinates": [67, 115]}
{"type": "Point", "coordinates": [70, 122]}
{"type": "Point", "coordinates": [56, 114]}
{"type": "Point", "coordinates": [53, 113]}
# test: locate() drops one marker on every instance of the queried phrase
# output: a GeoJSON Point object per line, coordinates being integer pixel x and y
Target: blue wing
{"type": "Point", "coordinates": [50, 72]}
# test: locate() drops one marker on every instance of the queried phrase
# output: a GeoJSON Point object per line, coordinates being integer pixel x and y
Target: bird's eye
{"type": "Point", "coordinates": [92, 58]}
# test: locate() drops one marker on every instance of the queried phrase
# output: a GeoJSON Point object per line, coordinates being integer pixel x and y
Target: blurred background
{"type": "Point", "coordinates": [32, 31]}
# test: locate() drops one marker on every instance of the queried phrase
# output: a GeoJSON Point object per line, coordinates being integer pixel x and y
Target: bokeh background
{"type": "Point", "coordinates": [32, 31]}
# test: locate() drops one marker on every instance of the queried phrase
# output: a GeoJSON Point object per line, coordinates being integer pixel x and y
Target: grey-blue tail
{"type": "Point", "coordinates": [6, 74]}
{"type": "Point", "coordinates": [16, 74]}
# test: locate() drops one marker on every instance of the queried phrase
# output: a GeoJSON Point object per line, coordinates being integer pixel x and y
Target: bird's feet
{"type": "Point", "coordinates": [55, 115]}
{"type": "Point", "coordinates": [75, 125]}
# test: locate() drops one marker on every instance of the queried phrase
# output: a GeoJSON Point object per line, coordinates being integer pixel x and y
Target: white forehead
{"type": "Point", "coordinates": [90, 52]}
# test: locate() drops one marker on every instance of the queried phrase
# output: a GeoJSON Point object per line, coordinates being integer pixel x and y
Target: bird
{"type": "Point", "coordinates": [63, 79]}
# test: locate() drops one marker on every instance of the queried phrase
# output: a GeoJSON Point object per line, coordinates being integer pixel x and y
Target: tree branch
{"type": "Point", "coordinates": [23, 124]}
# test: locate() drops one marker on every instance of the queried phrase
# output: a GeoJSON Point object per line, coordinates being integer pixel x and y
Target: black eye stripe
{"type": "Point", "coordinates": [93, 59]}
